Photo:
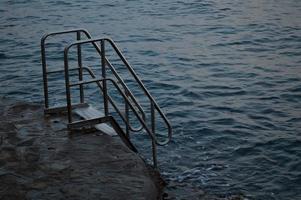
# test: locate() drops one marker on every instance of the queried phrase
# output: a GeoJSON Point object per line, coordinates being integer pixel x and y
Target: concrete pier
{"type": "Point", "coordinates": [40, 160]}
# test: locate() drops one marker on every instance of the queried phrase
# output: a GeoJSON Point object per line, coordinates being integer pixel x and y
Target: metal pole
{"type": "Point", "coordinates": [127, 127]}
{"type": "Point", "coordinates": [154, 149]}
{"type": "Point", "coordinates": [104, 83]}
{"type": "Point", "coordinates": [80, 65]}
{"type": "Point", "coordinates": [68, 95]}
{"type": "Point", "coordinates": [45, 80]}
{"type": "Point", "coordinates": [153, 120]}
{"type": "Point", "coordinates": [154, 146]}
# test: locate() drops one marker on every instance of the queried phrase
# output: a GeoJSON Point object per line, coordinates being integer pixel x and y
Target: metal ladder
{"type": "Point", "coordinates": [90, 116]}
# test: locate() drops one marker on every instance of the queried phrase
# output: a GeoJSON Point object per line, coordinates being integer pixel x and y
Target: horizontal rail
{"type": "Point", "coordinates": [64, 32]}
{"type": "Point", "coordinates": [85, 82]}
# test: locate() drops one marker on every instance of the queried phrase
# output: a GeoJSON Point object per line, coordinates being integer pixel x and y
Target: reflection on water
{"type": "Point", "coordinates": [226, 72]}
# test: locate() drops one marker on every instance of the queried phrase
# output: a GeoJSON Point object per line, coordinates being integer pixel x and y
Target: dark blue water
{"type": "Point", "coordinates": [227, 73]}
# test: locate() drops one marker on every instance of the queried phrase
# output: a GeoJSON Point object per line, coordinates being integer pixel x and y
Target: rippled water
{"type": "Point", "coordinates": [227, 73]}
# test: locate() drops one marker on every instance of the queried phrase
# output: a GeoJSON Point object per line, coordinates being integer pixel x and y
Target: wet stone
{"type": "Point", "coordinates": [52, 164]}
{"type": "Point", "coordinates": [32, 157]}
{"type": "Point", "coordinates": [8, 153]}
{"type": "Point", "coordinates": [58, 166]}
{"type": "Point", "coordinates": [38, 185]}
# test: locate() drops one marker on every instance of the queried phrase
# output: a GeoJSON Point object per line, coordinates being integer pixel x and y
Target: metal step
{"type": "Point", "coordinates": [89, 112]}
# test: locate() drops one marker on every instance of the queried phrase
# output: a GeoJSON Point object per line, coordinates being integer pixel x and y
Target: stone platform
{"type": "Point", "coordinates": [40, 160]}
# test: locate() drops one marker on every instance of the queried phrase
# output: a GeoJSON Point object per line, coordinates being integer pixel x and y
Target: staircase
{"type": "Point", "coordinates": [102, 119]}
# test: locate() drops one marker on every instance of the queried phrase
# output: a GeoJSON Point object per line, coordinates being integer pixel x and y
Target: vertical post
{"type": "Point", "coordinates": [154, 149]}
{"type": "Point", "coordinates": [104, 83]}
{"type": "Point", "coordinates": [153, 119]}
{"type": "Point", "coordinates": [80, 67]}
{"type": "Point", "coordinates": [45, 80]}
{"type": "Point", "coordinates": [127, 128]}
{"type": "Point", "coordinates": [154, 146]}
{"type": "Point", "coordinates": [68, 95]}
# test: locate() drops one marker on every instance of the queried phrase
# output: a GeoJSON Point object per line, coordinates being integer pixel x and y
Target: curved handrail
{"type": "Point", "coordinates": [150, 133]}
{"type": "Point", "coordinates": [66, 50]}
{"type": "Point", "coordinates": [43, 56]}
{"type": "Point", "coordinates": [45, 36]}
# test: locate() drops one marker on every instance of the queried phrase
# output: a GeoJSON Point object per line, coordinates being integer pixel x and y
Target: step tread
{"type": "Point", "coordinates": [90, 113]}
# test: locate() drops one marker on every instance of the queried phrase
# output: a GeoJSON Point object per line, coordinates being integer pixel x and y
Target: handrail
{"type": "Point", "coordinates": [155, 105]}
{"type": "Point", "coordinates": [46, 99]}
{"type": "Point", "coordinates": [98, 49]}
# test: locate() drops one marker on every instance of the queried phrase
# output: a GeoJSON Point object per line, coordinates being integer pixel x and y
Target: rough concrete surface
{"type": "Point", "coordinates": [40, 160]}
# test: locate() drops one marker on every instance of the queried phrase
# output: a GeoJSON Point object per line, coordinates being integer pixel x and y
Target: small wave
{"type": "Point", "coordinates": [148, 53]}
{"type": "Point", "coordinates": [294, 120]}
{"type": "Point", "coordinates": [291, 97]}
{"type": "Point", "coordinates": [227, 109]}
{"type": "Point", "coordinates": [223, 121]}
{"type": "Point", "coordinates": [191, 94]}
{"type": "Point", "coordinates": [3, 56]}
{"type": "Point", "coordinates": [220, 87]}
{"type": "Point", "coordinates": [273, 112]}
{"type": "Point", "coordinates": [61, 3]}
{"type": "Point", "coordinates": [234, 75]}
{"type": "Point", "coordinates": [295, 89]}
{"type": "Point", "coordinates": [236, 43]}
{"type": "Point", "coordinates": [259, 117]}
{"type": "Point", "coordinates": [222, 94]}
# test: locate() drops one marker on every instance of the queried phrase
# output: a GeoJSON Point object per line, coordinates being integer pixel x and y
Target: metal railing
{"type": "Point", "coordinates": [131, 102]}
{"type": "Point", "coordinates": [79, 55]}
